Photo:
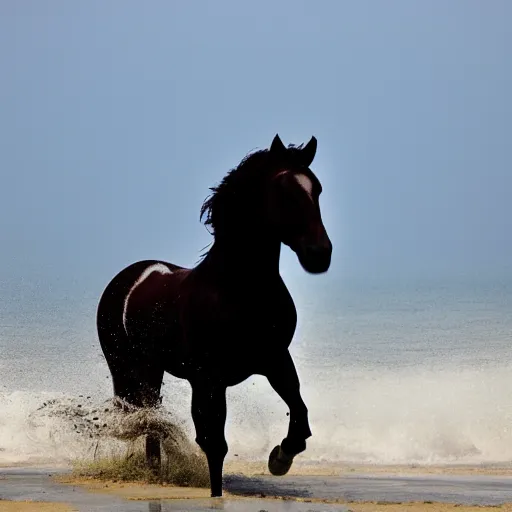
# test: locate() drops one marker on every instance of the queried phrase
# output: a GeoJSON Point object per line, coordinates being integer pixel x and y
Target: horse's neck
{"type": "Point", "coordinates": [242, 260]}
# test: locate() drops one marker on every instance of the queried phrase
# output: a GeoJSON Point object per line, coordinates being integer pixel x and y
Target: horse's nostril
{"type": "Point", "coordinates": [317, 250]}
{"type": "Point", "coordinates": [316, 258]}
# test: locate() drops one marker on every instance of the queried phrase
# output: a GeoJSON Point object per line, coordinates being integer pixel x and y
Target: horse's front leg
{"type": "Point", "coordinates": [209, 415]}
{"type": "Point", "coordinates": [282, 376]}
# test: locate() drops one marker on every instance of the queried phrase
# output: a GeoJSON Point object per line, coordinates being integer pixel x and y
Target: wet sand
{"type": "Point", "coordinates": [136, 491]}
{"type": "Point", "coordinates": [305, 469]}
{"type": "Point", "coordinates": [350, 490]}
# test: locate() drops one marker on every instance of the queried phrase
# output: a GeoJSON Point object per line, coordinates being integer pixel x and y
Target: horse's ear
{"type": "Point", "coordinates": [277, 148]}
{"type": "Point", "coordinates": [308, 152]}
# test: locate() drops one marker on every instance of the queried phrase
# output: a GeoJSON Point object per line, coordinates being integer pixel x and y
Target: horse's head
{"type": "Point", "coordinates": [273, 192]}
{"type": "Point", "coordinates": [293, 207]}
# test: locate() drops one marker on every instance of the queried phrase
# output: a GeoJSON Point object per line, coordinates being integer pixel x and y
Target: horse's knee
{"type": "Point", "coordinates": [299, 412]}
{"type": "Point", "coordinates": [213, 447]}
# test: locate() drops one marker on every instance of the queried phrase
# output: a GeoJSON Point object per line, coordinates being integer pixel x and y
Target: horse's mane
{"type": "Point", "coordinates": [222, 196]}
{"type": "Point", "coordinates": [237, 187]}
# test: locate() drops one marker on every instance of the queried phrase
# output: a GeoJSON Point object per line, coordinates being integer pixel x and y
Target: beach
{"type": "Point", "coordinates": [31, 489]}
{"type": "Point", "coordinates": [358, 152]}
{"type": "Point", "coordinates": [408, 392]}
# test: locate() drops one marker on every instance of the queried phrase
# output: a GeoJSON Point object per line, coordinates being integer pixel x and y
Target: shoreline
{"type": "Point", "coordinates": [259, 468]}
{"type": "Point", "coordinates": [342, 469]}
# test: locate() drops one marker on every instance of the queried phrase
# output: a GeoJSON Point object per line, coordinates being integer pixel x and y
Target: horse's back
{"type": "Point", "coordinates": [179, 316]}
{"type": "Point", "coordinates": [128, 279]}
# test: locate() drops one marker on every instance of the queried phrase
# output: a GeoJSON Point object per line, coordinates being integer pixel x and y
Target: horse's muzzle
{"type": "Point", "coordinates": [315, 259]}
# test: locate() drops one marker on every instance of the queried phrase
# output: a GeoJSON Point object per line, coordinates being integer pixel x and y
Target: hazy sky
{"type": "Point", "coordinates": [117, 116]}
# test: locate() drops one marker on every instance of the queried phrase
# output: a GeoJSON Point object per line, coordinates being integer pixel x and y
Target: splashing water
{"type": "Point", "coordinates": [389, 378]}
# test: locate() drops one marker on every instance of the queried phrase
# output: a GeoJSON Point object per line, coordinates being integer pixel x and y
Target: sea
{"type": "Point", "coordinates": [416, 371]}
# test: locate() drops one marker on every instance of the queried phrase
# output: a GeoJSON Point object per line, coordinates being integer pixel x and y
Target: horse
{"type": "Point", "coordinates": [230, 316]}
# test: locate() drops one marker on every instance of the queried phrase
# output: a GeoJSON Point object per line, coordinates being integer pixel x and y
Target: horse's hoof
{"type": "Point", "coordinates": [279, 463]}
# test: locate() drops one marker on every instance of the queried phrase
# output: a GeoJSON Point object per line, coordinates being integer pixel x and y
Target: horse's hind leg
{"type": "Point", "coordinates": [282, 376]}
{"type": "Point", "coordinates": [136, 378]}
{"type": "Point", "coordinates": [140, 386]}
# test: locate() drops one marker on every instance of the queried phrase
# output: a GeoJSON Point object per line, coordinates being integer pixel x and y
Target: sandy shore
{"type": "Point", "coordinates": [39, 506]}
{"type": "Point", "coordinates": [137, 491]}
{"type": "Point", "coordinates": [323, 469]}
{"type": "Point", "coordinates": [34, 506]}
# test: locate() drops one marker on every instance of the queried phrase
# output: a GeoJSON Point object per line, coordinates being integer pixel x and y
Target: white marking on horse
{"type": "Point", "coordinates": [157, 267]}
{"type": "Point", "coordinates": [306, 183]}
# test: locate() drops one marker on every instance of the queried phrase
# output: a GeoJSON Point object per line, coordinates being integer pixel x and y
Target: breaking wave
{"type": "Point", "coordinates": [415, 415]}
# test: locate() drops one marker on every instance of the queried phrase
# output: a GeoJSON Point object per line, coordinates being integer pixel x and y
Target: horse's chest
{"type": "Point", "coordinates": [270, 322]}
{"type": "Point", "coordinates": [226, 327]}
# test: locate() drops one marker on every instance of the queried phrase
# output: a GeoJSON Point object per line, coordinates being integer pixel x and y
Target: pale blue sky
{"type": "Point", "coordinates": [116, 116]}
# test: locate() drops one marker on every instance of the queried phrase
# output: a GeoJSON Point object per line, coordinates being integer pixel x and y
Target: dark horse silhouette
{"type": "Point", "coordinates": [229, 317]}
